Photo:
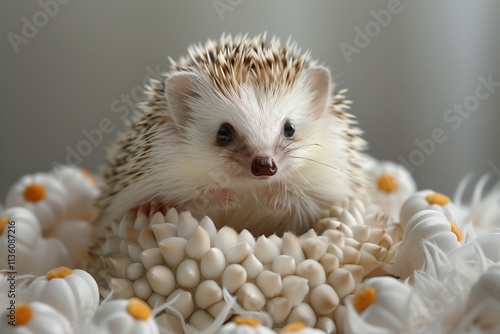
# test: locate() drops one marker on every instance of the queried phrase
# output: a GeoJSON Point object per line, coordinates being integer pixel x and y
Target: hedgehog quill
{"type": "Point", "coordinates": [247, 131]}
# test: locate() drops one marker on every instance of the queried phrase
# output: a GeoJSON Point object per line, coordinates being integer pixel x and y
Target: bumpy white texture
{"type": "Point", "coordinates": [161, 257]}
{"type": "Point", "coordinates": [447, 296]}
{"type": "Point", "coordinates": [455, 291]}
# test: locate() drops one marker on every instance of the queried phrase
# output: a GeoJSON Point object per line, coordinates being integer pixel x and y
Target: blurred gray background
{"type": "Point", "coordinates": [67, 65]}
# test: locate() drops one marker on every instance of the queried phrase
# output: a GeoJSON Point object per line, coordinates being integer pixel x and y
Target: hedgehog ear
{"type": "Point", "coordinates": [318, 80]}
{"type": "Point", "coordinates": [179, 87]}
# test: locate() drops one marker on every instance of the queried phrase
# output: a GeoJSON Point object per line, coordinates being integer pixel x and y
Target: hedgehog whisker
{"type": "Point", "coordinates": [312, 133]}
{"type": "Point", "coordinates": [227, 200]}
{"type": "Point", "coordinates": [301, 146]}
{"type": "Point", "coordinates": [303, 178]}
{"type": "Point", "coordinates": [287, 145]}
{"type": "Point", "coordinates": [254, 194]}
{"type": "Point", "coordinates": [323, 164]}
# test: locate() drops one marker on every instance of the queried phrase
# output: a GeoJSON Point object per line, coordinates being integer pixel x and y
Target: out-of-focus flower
{"type": "Point", "coordinates": [44, 195]}
{"type": "Point", "coordinates": [390, 185]}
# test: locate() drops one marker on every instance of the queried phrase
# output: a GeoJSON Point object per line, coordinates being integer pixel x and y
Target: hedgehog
{"type": "Point", "coordinates": [244, 130]}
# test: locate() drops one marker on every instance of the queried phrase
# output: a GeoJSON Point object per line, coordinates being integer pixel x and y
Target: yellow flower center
{"type": "Point", "coordinates": [60, 272]}
{"type": "Point", "coordinates": [34, 192]}
{"type": "Point", "coordinates": [138, 309]}
{"type": "Point", "coordinates": [364, 298]}
{"type": "Point", "coordinates": [293, 327]}
{"type": "Point", "coordinates": [24, 313]}
{"type": "Point", "coordinates": [246, 321]}
{"type": "Point", "coordinates": [89, 175]}
{"type": "Point", "coordinates": [3, 222]}
{"type": "Point", "coordinates": [437, 198]}
{"type": "Point", "coordinates": [387, 183]}
{"type": "Point", "coordinates": [456, 230]}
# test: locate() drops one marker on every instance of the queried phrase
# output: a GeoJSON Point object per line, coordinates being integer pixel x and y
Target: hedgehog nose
{"type": "Point", "coordinates": [264, 166]}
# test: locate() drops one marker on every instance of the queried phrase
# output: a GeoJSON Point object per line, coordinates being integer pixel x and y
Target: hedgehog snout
{"type": "Point", "coordinates": [264, 166]}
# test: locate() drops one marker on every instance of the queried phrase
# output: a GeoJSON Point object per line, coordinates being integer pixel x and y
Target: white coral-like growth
{"type": "Point", "coordinates": [172, 257]}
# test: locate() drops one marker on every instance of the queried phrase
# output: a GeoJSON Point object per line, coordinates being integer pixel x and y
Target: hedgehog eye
{"type": "Point", "coordinates": [224, 135]}
{"type": "Point", "coordinates": [289, 130]}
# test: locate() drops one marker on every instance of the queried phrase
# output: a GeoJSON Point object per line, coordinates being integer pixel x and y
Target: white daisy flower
{"type": "Point", "coordinates": [23, 249]}
{"type": "Point", "coordinates": [44, 195]}
{"type": "Point", "coordinates": [243, 325]}
{"type": "Point", "coordinates": [424, 226]}
{"type": "Point", "coordinates": [380, 305]}
{"type": "Point", "coordinates": [125, 316]}
{"type": "Point", "coordinates": [299, 328]}
{"type": "Point", "coordinates": [82, 190]}
{"type": "Point", "coordinates": [74, 293]}
{"type": "Point", "coordinates": [431, 200]}
{"type": "Point", "coordinates": [390, 185]}
{"type": "Point", "coordinates": [34, 318]}
{"type": "Point", "coordinates": [22, 228]}
{"type": "Point", "coordinates": [76, 235]}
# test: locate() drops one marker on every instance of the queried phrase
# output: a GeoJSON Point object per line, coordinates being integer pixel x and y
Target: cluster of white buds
{"type": "Point", "coordinates": [169, 256]}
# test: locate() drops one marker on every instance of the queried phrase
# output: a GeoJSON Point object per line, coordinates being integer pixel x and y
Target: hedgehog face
{"type": "Point", "coordinates": [257, 135]}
